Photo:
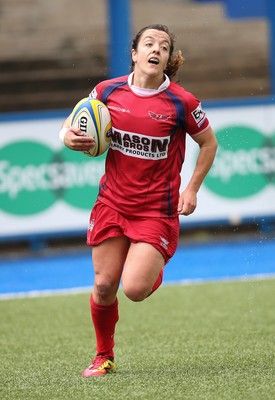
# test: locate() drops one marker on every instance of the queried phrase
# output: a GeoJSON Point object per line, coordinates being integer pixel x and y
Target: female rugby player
{"type": "Point", "coordinates": [134, 224]}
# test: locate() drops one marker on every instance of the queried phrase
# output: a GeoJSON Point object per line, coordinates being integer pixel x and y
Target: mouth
{"type": "Point", "coordinates": [153, 60]}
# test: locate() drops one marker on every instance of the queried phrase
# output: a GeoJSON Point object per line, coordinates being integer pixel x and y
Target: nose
{"type": "Point", "coordinates": [156, 48]}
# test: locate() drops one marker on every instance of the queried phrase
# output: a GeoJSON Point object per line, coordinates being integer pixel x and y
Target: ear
{"type": "Point", "coordinates": [134, 55]}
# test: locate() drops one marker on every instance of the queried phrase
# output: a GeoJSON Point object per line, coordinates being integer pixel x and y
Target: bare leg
{"type": "Point", "coordinates": [108, 260]}
{"type": "Point", "coordinates": [141, 270]}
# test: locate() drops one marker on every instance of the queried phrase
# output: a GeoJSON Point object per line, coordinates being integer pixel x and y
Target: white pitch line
{"type": "Point", "coordinates": [87, 289]}
{"type": "Point", "coordinates": [45, 293]}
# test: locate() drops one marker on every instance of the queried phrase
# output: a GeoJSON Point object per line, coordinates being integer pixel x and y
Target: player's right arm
{"type": "Point", "coordinates": [74, 138]}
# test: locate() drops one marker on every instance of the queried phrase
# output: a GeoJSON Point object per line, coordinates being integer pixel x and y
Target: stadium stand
{"type": "Point", "coordinates": [52, 53]}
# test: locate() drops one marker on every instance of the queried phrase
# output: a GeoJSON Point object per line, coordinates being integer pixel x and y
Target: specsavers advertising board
{"type": "Point", "coordinates": [47, 188]}
{"type": "Point", "coordinates": [241, 182]}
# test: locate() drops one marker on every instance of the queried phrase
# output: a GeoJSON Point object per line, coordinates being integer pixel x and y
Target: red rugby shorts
{"type": "Point", "coordinates": [105, 222]}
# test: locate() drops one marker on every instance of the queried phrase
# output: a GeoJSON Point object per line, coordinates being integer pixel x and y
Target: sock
{"type": "Point", "coordinates": [157, 283]}
{"type": "Point", "coordinates": [104, 319]}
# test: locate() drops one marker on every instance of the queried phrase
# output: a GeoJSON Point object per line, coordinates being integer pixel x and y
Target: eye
{"type": "Point", "coordinates": [164, 47]}
{"type": "Point", "coordinates": [149, 44]}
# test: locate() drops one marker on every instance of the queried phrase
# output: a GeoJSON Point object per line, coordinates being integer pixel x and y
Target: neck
{"type": "Point", "coordinates": [146, 82]}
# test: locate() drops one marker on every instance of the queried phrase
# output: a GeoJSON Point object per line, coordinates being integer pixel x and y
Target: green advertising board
{"type": "Point", "coordinates": [244, 164]}
{"type": "Point", "coordinates": [33, 177]}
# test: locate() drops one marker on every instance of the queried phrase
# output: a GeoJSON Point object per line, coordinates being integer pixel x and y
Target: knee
{"type": "Point", "coordinates": [103, 291]}
{"type": "Point", "coordinates": [135, 293]}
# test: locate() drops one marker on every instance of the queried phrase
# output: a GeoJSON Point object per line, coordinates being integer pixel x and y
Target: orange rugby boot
{"type": "Point", "coordinates": [101, 365]}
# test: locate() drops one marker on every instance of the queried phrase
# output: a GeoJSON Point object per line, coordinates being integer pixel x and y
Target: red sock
{"type": "Point", "coordinates": [104, 320]}
{"type": "Point", "coordinates": [157, 283]}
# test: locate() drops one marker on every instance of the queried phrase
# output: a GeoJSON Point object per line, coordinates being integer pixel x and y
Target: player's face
{"type": "Point", "coordinates": [152, 54]}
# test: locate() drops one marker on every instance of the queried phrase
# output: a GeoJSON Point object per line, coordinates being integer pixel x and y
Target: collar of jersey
{"type": "Point", "coordinates": [147, 92]}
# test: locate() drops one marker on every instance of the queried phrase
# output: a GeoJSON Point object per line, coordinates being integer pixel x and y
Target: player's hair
{"type": "Point", "coordinates": [175, 58]}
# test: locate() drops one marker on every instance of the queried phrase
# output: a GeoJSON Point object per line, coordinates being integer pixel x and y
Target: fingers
{"type": "Point", "coordinates": [82, 143]}
{"type": "Point", "coordinates": [77, 140]}
{"type": "Point", "coordinates": [180, 205]}
{"type": "Point", "coordinates": [187, 210]}
{"type": "Point", "coordinates": [187, 203]}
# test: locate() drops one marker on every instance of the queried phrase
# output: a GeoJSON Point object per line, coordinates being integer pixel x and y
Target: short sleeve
{"type": "Point", "coordinates": [96, 93]}
{"type": "Point", "coordinates": [196, 118]}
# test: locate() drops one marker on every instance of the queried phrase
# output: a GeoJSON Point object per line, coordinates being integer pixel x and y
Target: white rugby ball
{"type": "Point", "coordinates": [92, 117]}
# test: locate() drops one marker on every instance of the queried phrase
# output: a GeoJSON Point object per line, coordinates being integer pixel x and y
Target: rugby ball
{"type": "Point", "coordinates": [92, 117]}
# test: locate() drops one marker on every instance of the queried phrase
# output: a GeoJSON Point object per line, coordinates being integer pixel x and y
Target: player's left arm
{"type": "Point", "coordinates": [208, 147]}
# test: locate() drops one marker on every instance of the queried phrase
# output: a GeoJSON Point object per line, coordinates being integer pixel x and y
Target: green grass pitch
{"type": "Point", "coordinates": [210, 341]}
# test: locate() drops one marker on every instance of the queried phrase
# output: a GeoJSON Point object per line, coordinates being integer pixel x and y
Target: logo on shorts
{"type": "Point", "coordinates": [164, 243]}
{"type": "Point", "coordinates": [91, 225]}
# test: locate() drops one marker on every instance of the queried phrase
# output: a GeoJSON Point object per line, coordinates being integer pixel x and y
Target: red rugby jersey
{"type": "Point", "coordinates": [144, 161]}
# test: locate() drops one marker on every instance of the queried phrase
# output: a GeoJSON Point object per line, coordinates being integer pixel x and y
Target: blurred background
{"type": "Point", "coordinates": [53, 53]}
